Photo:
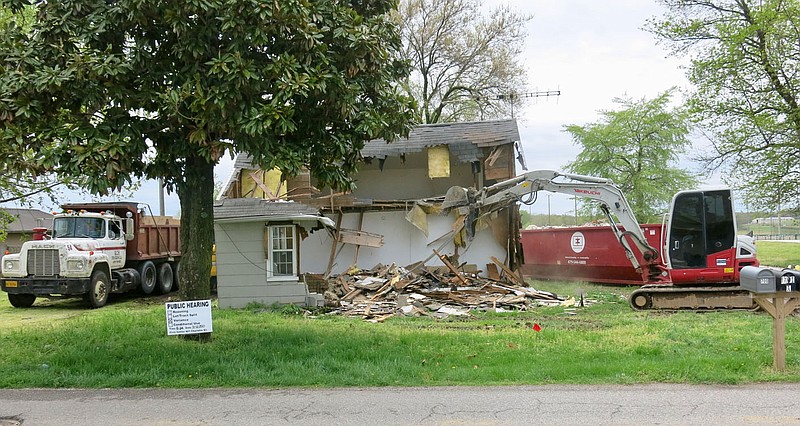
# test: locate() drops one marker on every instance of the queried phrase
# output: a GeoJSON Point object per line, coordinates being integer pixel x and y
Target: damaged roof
{"type": "Point", "coordinates": [250, 209]}
{"type": "Point", "coordinates": [463, 138]}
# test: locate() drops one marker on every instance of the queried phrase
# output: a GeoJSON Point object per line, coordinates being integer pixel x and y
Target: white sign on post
{"type": "Point", "coordinates": [188, 317]}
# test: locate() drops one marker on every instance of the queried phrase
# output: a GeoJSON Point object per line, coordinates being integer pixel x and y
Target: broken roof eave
{"type": "Point", "coordinates": [327, 222]}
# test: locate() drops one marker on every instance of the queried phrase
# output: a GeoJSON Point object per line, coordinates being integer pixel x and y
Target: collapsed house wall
{"type": "Point", "coordinates": [407, 180]}
{"type": "Point", "coordinates": [403, 244]}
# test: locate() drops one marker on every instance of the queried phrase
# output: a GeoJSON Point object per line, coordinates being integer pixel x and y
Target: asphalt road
{"type": "Point", "coordinates": [767, 404]}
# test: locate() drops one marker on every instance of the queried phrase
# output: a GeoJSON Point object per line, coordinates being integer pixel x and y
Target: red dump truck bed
{"type": "Point", "coordinates": [581, 253]}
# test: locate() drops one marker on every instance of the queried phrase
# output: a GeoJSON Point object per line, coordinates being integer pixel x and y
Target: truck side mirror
{"type": "Point", "coordinates": [129, 235]}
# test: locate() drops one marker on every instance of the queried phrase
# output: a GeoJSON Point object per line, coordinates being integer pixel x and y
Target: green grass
{"type": "Point", "coordinates": [62, 344]}
{"type": "Point", "coordinates": [778, 253]}
{"type": "Point", "coordinates": [125, 345]}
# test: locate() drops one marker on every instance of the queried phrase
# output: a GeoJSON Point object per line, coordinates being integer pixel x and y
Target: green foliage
{"type": "Point", "coordinates": [113, 91]}
{"type": "Point", "coordinates": [543, 220]}
{"type": "Point", "coordinates": [108, 92]}
{"type": "Point", "coordinates": [21, 179]}
{"type": "Point", "coordinates": [746, 88]}
{"type": "Point", "coordinates": [463, 62]}
{"type": "Point", "coordinates": [5, 220]}
{"type": "Point", "coordinates": [637, 147]}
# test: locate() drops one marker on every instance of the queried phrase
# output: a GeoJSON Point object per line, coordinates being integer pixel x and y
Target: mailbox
{"type": "Point", "coordinates": [762, 279]}
{"type": "Point", "coordinates": [787, 280]}
{"type": "Point", "coordinates": [757, 279]}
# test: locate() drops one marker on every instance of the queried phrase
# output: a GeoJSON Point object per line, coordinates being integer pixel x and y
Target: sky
{"type": "Point", "coordinates": [591, 51]}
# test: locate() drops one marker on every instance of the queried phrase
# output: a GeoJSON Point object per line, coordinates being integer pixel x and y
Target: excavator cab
{"type": "Point", "coordinates": [704, 255]}
{"type": "Point", "coordinates": [701, 236]}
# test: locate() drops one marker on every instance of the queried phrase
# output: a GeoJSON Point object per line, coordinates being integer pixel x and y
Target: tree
{"type": "Point", "coordinates": [746, 75]}
{"type": "Point", "coordinates": [462, 62]}
{"type": "Point", "coordinates": [117, 90]}
{"type": "Point", "coordinates": [21, 181]}
{"type": "Point", "coordinates": [637, 147]}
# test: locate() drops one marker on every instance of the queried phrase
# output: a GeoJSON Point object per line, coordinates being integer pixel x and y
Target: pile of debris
{"type": "Point", "coordinates": [384, 291]}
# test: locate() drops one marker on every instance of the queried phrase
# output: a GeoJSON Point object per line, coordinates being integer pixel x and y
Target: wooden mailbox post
{"type": "Point", "coordinates": [776, 291]}
{"type": "Point", "coordinates": [779, 305]}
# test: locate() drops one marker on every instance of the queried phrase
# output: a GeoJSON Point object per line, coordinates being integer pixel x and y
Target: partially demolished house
{"type": "Point", "coordinates": [393, 217]}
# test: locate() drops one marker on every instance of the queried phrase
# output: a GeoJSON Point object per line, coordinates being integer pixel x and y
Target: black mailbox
{"type": "Point", "coordinates": [787, 280]}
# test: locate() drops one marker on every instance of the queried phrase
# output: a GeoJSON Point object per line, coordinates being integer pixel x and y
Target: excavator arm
{"type": "Point", "coordinates": [476, 204]}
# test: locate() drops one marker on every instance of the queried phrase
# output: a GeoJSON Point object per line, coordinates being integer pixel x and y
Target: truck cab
{"type": "Point", "coordinates": [93, 231]}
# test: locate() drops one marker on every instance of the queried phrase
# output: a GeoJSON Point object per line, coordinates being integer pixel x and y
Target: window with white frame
{"type": "Point", "coordinates": [282, 260]}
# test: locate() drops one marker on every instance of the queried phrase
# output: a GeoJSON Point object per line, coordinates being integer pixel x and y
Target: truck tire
{"type": "Point", "coordinates": [147, 272]}
{"type": "Point", "coordinates": [176, 275]}
{"type": "Point", "coordinates": [165, 278]}
{"type": "Point", "coordinates": [99, 288]}
{"type": "Point", "coordinates": [21, 300]}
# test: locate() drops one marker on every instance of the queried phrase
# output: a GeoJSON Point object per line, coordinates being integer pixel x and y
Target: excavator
{"type": "Point", "coordinates": [697, 264]}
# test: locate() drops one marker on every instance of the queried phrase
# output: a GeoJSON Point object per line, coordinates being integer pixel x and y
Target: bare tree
{"type": "Point", "coordinates": [466, 66]}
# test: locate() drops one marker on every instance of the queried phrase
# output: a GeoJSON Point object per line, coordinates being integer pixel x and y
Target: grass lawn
{"type": "Point", "coordinates": [62, 344]}
{"type": "Point", "coordinates": [778, 253]}
{"type": "Point", "coordinates": [125, 345]}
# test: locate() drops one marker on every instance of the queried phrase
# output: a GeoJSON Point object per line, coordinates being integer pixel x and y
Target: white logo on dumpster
{"type": "Point", "coordinates": [577, 242]}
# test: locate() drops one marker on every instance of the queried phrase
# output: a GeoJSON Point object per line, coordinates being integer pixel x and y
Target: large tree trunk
{"type": "Point", "coordinates": [196, 193]}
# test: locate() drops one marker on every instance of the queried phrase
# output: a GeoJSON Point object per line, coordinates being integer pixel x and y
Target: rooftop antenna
{"type": "Point", "coordinates": [512, 97]}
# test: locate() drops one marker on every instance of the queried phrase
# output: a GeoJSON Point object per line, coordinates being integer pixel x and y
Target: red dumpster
{"type": "Point", "coordinates": [582, 253]}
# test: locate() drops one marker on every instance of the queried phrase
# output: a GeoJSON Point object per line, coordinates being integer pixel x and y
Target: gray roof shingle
{"type": "Point", "coordinates": [234, 208]}
{"type": "Point", "coordinates": [464, 139]}
{"type": "Point", "coordinates": [27, 219]}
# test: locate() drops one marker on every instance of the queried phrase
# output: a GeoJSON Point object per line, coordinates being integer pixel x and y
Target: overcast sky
{"type": "Point", "coordinates": [591, 51]}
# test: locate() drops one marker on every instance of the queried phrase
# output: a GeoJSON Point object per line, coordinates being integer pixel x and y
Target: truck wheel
{"type": "Point", "coordinates": [99, 289]}
{"type": "Point", "coordinates": [21, 300]}
{"type": "Point", "coordinates": [165, 278]}
{"type": "Point", "coordinates": [147, 272]}
{"type": "Point", "coordinates": [176, 275]}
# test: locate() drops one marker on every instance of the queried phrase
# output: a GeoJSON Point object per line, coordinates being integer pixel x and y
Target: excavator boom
{"type": "Point", "coordinates": [703, 252]}
{"type": "Point", "coordinates": [476, 204]}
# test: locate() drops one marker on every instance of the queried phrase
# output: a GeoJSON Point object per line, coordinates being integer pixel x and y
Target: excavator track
{"type": "Point", "coordinates": [669, 297]}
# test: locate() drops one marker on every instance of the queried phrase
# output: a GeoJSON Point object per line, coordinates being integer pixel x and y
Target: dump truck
{"type": "Point", "coordinates": [93, 250]}
{"type": "Point", "coordinates": [692, 261]}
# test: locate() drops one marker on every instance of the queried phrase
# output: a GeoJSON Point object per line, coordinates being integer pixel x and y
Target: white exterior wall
{"type": "Point", "coordinates": [404, 244]}
{"type": "Point", "coordinates": [242, 269]}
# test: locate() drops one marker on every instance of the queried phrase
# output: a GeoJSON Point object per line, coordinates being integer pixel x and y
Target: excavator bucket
{"type": "Point", "coordinates": [456, 197]}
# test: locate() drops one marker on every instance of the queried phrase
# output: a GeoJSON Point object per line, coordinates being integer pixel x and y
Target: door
{"type": "Point", "coordinates": [701, 224]}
